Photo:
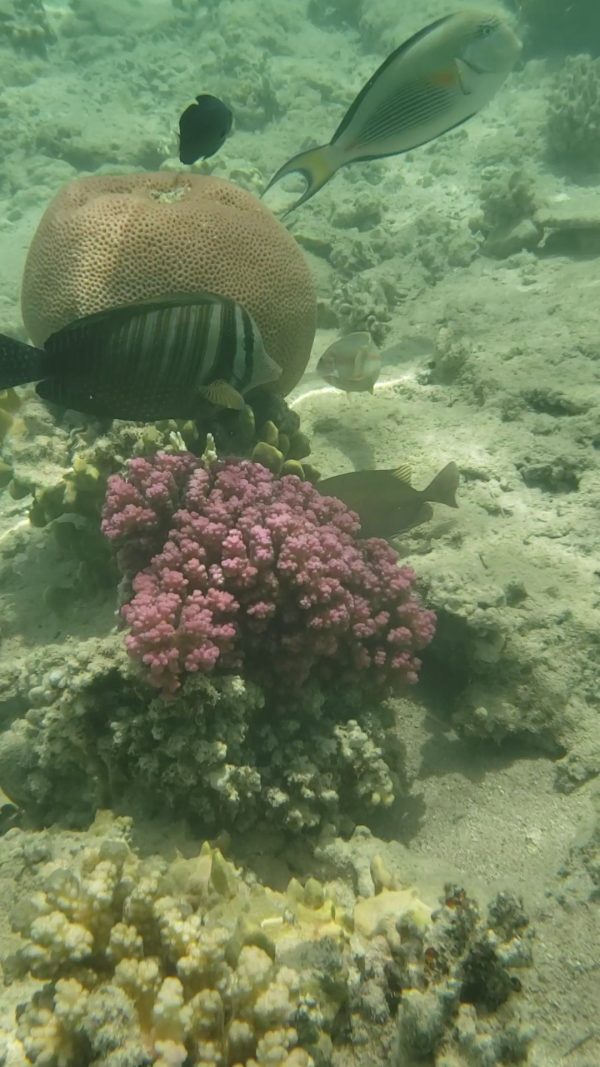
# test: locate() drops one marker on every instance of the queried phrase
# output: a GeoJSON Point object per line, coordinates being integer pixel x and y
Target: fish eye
{"type": "Point", "coordinates": [486, 29]}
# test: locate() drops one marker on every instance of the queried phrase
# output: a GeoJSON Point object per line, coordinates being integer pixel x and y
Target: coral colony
{"type": "Point", "coordinates": [232, 568]}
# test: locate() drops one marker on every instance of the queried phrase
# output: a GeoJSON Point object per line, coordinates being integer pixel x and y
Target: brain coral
{"type": "Point", "coordinates": [105, 241]}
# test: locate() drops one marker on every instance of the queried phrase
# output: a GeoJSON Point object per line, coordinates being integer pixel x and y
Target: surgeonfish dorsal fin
{"type": "Point", "coordinates": [112, 316]}
{"type": "Point", "coordinates": [403, 473]}
{"type": "Point", "coordinates": [223, 395]}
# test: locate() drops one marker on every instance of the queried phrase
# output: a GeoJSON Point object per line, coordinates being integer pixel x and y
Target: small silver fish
{"type": "Point", "coordinates": [167, 358]}
{"type": "Point", "coordinates": [435, 81]}
{"type": "Point", "coordinates": [352, 363]}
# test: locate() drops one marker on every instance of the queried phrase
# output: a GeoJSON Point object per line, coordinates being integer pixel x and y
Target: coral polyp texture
{"type": "Point", "coordinates": [106, 241]}
{"type": "Point", "coordinates": [193, 962]}
{"type": "Point", "coordinates": [221, 753]}
{"type": "Point", "coordinates": [235, 569]}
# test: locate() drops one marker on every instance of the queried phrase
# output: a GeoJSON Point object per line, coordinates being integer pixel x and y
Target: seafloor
{"type": "Point", "coordinates": [474, 262]}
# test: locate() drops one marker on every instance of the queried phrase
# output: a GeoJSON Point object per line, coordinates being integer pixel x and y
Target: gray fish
{"type": "Point", "coordinates": [170, 357]}
{"type": "Point", "coordinates": [386, 502]}
{"type": "Point", "coordinates": [435, 81]}
{"type": "Point", "coordinates": [352, 363]}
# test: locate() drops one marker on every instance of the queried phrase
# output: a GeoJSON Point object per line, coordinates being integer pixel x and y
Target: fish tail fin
{"type": "Point", "coordinates": [317, 166]}
{"type": "Point", "coordinates": [442, 488]}
{"type": "Point", "coordinates": [20, 363]}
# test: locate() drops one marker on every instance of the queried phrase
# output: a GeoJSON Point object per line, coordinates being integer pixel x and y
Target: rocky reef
{"type": "Point", "coordinates": [574, 117]}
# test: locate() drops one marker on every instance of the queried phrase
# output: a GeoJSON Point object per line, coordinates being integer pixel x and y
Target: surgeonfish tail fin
{"type": "Point", "coordinates": [317, 166]}
{"type": "Point", "coordinates": [20, 363]}
{"type": "Point", "coordinates": [442, 488]}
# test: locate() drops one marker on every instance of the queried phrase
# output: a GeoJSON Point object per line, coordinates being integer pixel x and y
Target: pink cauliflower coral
{"type": "Point", "coordinates": [244, 571]}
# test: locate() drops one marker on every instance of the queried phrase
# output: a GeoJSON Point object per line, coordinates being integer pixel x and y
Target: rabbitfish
{"type": "Point", "coordinates": [386, 502]}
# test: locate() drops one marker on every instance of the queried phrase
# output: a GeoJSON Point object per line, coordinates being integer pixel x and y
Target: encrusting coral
{"type": "Point", "coordinates": [146, 962]}
{"type": "Point", "coordinates": [234, 568]}
{"type": "Point", "coordinates": [106, 241]}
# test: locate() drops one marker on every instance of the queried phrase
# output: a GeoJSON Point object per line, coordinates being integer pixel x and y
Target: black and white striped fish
{"type": "Point", "coordinates": [171, 357]}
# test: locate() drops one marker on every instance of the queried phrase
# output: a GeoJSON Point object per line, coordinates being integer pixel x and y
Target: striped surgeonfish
{"type": "Point", "coordinates": [435, 81]}
{"type": "Point", "coordinates": [170, 357]}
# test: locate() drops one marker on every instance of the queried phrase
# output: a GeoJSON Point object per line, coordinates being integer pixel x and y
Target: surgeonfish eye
{"type": "Point", "coordinates": [487, 26]}
{"type": "Point", "coordinates": [492, 46]}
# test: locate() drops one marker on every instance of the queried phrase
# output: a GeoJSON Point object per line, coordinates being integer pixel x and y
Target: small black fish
{"type": "Point", "coordinates": [203, 128]}
{"type": "Point", "coordinates": [386, 502]}
{"type": "Point", "coordinates": [168, 358]}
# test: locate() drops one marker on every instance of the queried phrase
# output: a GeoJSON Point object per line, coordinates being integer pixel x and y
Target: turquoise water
{"type": "Point", "coordinates": [347, 803]}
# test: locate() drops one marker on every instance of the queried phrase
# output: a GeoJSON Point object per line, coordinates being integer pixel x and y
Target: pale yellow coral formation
{"type": "Point", "coordinates": [193, 963]}
{"type": "Point", "coordinates": [188, 961]}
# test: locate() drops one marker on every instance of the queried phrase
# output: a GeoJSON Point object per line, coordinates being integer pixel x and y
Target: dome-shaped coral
{"type": "Point", "coordinates": [106, 241]}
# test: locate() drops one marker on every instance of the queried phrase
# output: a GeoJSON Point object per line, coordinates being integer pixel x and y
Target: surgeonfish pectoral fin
{"type": "Point", "coordinates": [442, 488]}
{"type": "Point", "coordinates": [424, 514]}
{"type": "Point", "coordinates": [223, 395]}
{"type": "Point", "coordinates": [317, 166]}
{"type": "Point", "coordinates": [462, 76]}
{"type": "Point", "coordinates": [265, 370]}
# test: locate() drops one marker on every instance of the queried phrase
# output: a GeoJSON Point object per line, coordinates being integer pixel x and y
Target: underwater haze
{"type": "Point", "coordinates": [273, 790]}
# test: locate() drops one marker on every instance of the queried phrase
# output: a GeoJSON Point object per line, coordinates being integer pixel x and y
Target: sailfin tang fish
{"type": "Point", "coordinates": [171, 357]}
{"type": "Point", "coordinates": [386, 502]}
{"type": "Point", "coordinates": [352, 363]}
{"type": "Point", "coordinates": [435, 81]}
{"type": "Point", "coordinates": [203, 128]}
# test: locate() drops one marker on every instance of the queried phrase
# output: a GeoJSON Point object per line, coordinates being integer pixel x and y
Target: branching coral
{"type": "Point", "coordinates": [220, 753]}
{"type": "Point", "coordinates": [146, 962]}
{"type": "Point", "coordinates": [456, 973]}
{"type": "Point", "coordinates": [230, 567]}
{"type": "Point", "coordinates": [237, 568]}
